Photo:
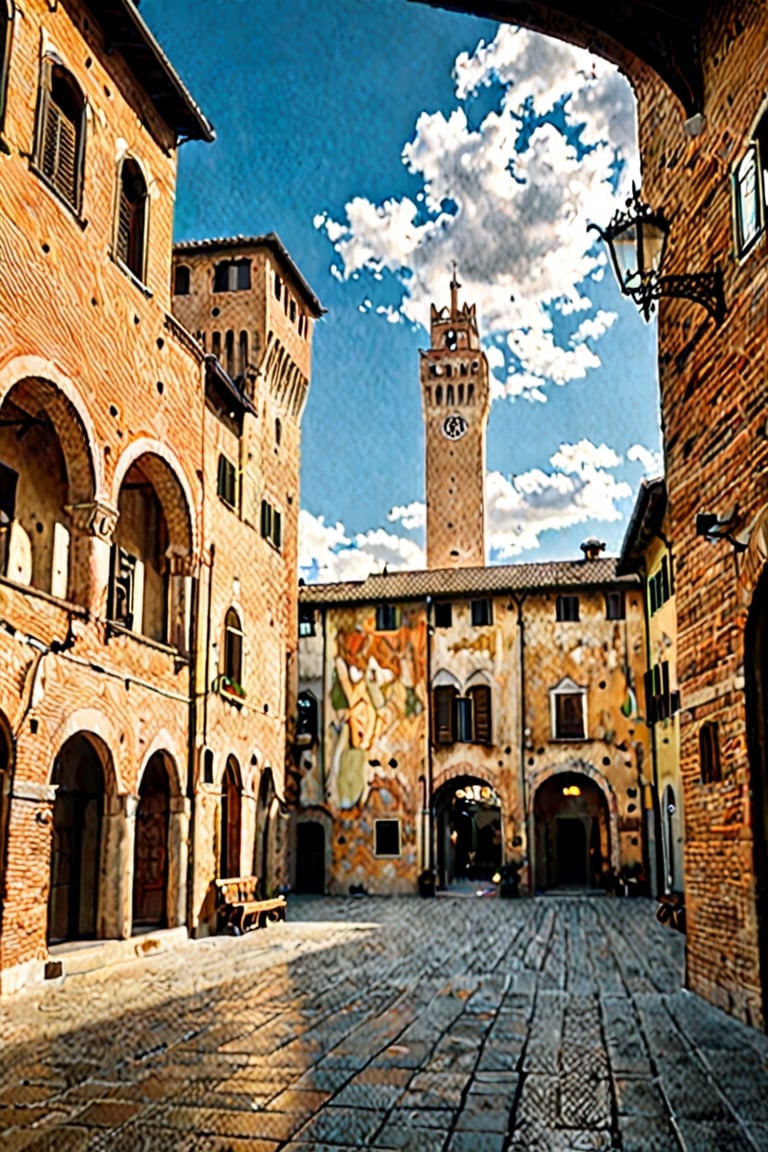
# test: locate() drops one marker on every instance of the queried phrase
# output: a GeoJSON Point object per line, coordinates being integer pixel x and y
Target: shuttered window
{"type": "Point", "coordinates": [569, 716]}
{"type": "Point", "coordinates": [226, 482]}
{"type": "Point", "coordinates": [233, 647]}
{"type": "Point", "coordinates": [480, 695]}
{"type": "Point", "coordinates": [6, 26]}
{"type": "Point", "coordinates": [60, 146]}
{"type": "Point", "coordinates": [131, 218]}
{"type": "Point", "coordinates": [443, 715]}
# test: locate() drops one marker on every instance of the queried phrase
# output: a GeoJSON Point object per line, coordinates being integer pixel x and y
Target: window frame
{"type": "Point", "coordinates": [7, 18]}
{"type": "Point", "coordinates": [615, 604]}
{"type": "Point", "coordinates": [443, 614]}
{"type": "Point", "coordinates": [481, 612]}
{"type": "Point", "coordinates": [710, 760]}
{"type": "Point", "coordinates": [444, 697]}
{"type": "Point", "coordinates": [226, 479]}
{"type": "Point", "coordinates": [387, 855]}
{"type": "Point", "coordinates": [567, 688]}
{"type": "Point", "coordinates": [123, 259]}
{"type": "Point", "coordinates": [53, 70]}
{"type": "Point", "coordinates": [271, 525]}
{"type": "Point", "coordinates": [233, 667]}
{"type": "Point", "coordinates": [233, 267]}
{"type": "Point", "coordinates": [388, 617]}
{"type": "Point", "coordinates": [482, 716]}
{"type": "Point", "coordinates": [565, 604]}
{"type": "Point", "coordinates": [182, 268]}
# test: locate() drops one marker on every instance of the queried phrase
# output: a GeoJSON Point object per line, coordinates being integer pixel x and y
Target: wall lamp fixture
{"type": "Point", "coordinates": [636, 238]}
{"type": "Point", "coordinates": [714, 526]}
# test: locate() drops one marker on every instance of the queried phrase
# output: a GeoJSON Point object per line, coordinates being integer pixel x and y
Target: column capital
{"type": "Point", "coordinates": [94, 518]}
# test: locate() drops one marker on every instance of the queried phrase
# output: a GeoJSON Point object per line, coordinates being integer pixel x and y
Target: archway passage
{"type": "Point", "coordinates": [469, 837]}
{"type": "Point", "coordinates": [264, 839]}
{"type": "Point", "coordinates": [756, 669]}
{"type": "Point", "coordinates": [150, 856]}
{"type": "Point", "coordinates": [231, 812]}
{"type": "Point", "coordinates": [310, 857]}
{"type": "Point", "coordinates": [77, 842]}
{"type": "Point", "coordinates": [571, 833]}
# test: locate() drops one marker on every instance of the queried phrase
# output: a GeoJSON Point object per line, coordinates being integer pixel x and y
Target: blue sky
{"type": "Point", "coordinates": [382, 139]}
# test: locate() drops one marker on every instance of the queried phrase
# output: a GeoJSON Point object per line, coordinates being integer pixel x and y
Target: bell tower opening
{"type": "Point", "coordinates": [455, 398]}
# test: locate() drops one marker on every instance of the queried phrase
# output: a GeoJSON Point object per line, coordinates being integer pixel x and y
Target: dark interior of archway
{"type": "Point", "coordinates": [756, 675]}
{"type": "Point", "coordinates": [150, 872]}
{"type": "Point", "coordinates": [264, 831]}
{"type": "Point", "coordinates": [571, 833]}
{"type": "Point", "coordinates": [76, 849]}
{"type": "Point", "coordinates": [469, 831]}
{"type": "Point", "coordinates": [310, 857]}
{"type": "Point", "coordinates": [230, 821]}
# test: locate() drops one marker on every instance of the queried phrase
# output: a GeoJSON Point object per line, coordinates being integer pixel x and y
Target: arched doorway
{"type": "Point", "coordinates": [310, 857]}
{"type": "Point", "coordinates": [469, 830]}
{"type": "Point", "coordinates": [571, 833]}
{"type": "Point", "coordinates": [6, 747]}
{"type": "Point", "coordinates": [756, 676]}
{"type": "Point", "coordinates": [77, 842]}
{"type": "Point", "coordinates": [231, 808]}
{"type": "Point", "coordinates": [264, 846]}
{"type": "Point", "coordinates": [150, 855]}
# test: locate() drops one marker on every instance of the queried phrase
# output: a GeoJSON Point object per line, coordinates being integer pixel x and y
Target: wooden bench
{"type": "Point", "coordinates": [240, 907]}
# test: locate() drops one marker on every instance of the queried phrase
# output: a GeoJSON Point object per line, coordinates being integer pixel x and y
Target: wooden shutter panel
{"type": "Point", "coordinates": [481, 699]}
{"type": "Point", "coordinates": [124, 214]}
{"type": "Point", "coordinates": [442, 715]}
{"type": "Point", "coordinates": [66, 164]}
{"type": "Point", "coordinates": [49, 150]}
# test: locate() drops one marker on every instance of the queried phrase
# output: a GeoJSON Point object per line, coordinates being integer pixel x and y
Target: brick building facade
{"type": "Point", "coordinates": [700, 77]}
{"type": "Point", "coordinates": [109, 513]}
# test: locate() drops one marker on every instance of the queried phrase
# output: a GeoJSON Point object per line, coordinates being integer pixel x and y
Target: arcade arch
{"type": "Point", "coordinates": [469, 835]}
{"type": "Point", "coordinates": [572, 833]}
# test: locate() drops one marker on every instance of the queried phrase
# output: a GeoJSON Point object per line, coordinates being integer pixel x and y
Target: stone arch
{"type": "Point", "coordinates": [161, 831]}
{"type": "Point", "coordinates": [444, 679]}
{"type": "Point", "coordinates": [70, 417]}
{"type": "Point", "coordinates": [164, 744]}
{"type": "Point", "coordinates": [85, 869]}
{"type": "Point", "coordinates": [578, 767]}
{"type": "Point", "coordinates": [164, 471]}
{"type": "Point", "coordinates": [469, 817]}
{"type": "Point", "coordinates": [231, 831]}
{"type": "Point", "coordinates": [91, 722]}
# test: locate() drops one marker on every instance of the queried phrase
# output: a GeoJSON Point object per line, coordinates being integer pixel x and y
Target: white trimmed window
{"type": "Point", "coordinates": [568, 707]}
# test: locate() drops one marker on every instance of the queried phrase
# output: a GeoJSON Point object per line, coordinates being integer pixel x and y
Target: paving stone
{"type": "Point", "coordinates": [346, 1126]}
{"type": "Point", "coordinates": [639, 1097]}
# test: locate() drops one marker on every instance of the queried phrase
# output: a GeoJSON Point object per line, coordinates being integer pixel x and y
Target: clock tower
{"type": "Point", "coordinates": [455, 397]}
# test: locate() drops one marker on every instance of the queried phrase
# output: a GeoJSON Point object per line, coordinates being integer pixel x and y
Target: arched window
{"type": "Point", "coordinates": [231, 805]}
{"type": "Point", "coordinates": [6, 27]}
{"type": "Point", "coordinates": [130, 244]}
{"type": "Point", "coordinates": [61, 133]}
{"type": "Point", "coordinates": [243, 358]}
{"type": "Point", "coordinates": [278, 430]}
{"type": "Point", "coordinates": [470, 394]}
{"type": "Point", "coordinates": [216, 345]}
{"type": "Point", "coordinates": [233, 647]}
{"type": "Point", "coordinates": [444, 714]}
{"type": "Point", "coordinates": [449, 396]}
{"type": "Point", "coordinates": [439, 394]}
{"type": "Point", "coordinates": [229, 352]}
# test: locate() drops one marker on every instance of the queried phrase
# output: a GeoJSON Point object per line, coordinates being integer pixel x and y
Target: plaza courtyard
{"type": "Point", "coordinates": [446, 1025]}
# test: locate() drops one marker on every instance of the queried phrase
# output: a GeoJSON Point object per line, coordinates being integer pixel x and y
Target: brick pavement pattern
{"type": "Point", "coordinates": [446, 1025]}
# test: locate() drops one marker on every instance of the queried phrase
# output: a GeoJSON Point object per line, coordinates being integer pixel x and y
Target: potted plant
{"type": "Point", "coordinates": [230, 687]}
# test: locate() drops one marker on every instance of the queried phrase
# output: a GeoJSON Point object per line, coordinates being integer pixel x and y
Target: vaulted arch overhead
{"type": "Point", "coordinates": [660, 34]}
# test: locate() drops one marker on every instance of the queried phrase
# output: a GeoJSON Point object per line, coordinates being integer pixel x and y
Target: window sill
{"type": "Point", "coordinates": [571, 740]}
{"type": "Point", "coordinates": [58, 601]}
{"type": "Point", "coordinates": [233, 508]}
{"type": "Point", "coordinates": [114, 628]}
{"type": "Point", "coordinates": [134, 279]}
{"type": "Point", "coordinates": [59, 196]}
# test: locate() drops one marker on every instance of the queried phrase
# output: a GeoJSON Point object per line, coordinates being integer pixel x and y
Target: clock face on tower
{"type": "Point", "coordinates": [454, 426]}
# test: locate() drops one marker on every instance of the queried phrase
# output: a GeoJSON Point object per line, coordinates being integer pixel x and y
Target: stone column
{"type": "Point", "coordinates": [116, 876]}
{"type": "Point", "coordinates": [93, 526]}
{"type": "Point", "coordinates": [178, 860]}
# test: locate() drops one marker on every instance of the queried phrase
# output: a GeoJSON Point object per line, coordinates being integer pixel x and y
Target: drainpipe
{"type": "Point", "coordinates": [429, 853]}
{"type": "Point", "coordinates": [192, 738]}
{"type": "Point", "coordinates": [659, 878]}
{"type": "Point", "coordinates": [526, 823]}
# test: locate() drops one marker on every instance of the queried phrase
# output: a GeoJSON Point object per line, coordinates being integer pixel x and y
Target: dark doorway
{"type": "Point", "coordinates": [150, 857]}
{"type": "Point", "coordinates": [571, 852]}
{"type": "Point", "coordinates": [310, 857]}
{"type": "Point", "coordinates": [76, 849]}
{"type": "Point", "coordinates": [469, 830]}
{"type": "Point", "coordinates": [572, 847]}
{"type": "Point", "coordinates": [756, 670]}
{"type": "Point", "coordinates": [265, 833]}
{"type": "Point", "coordinates": [231, 793]}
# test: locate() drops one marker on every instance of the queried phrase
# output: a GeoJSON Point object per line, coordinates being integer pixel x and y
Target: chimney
{"type": "Point", "coordinates": [592, 548]}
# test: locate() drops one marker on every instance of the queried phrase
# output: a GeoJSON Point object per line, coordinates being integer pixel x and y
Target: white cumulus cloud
{"type": "Point", "coordinates": [652, 462]}
{"type": "Point", "coordinates": [509, 200]}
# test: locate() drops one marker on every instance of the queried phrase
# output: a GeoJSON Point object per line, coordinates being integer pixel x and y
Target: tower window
{"type": "Point", "coordinates": [278, 286]}
{"type": "Point", "coordinates": [59, 153]}
{"type": "Point", "coordinates": [439, 394]}
{"type": "Point", "coordinates": [567, 609]}
{"type": "Point", "coordinates": [130, 242]}
{"type": "Point", "coordinates": [470, 394]}
{"type": "Point", "coordinates": [181, 280]}
{"type": "Point", "coordinates": [243, 358]}
{"type": "Point", "coordinates": [449, 398]}
{"type": "Point", "coordinates": [482, 613]}
{"type": "Point", "coordinates": [271, 525]}
{"type": "Point", "coordinates": [232, 276]}
{"type": "Point", "coordinates": [451, 340]}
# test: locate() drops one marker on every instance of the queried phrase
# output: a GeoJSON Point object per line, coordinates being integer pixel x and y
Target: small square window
{"type": "Point", "coordinates": [443, 614]}
{"type": "Point", "coordinates": [567, 609]}
{"type": "Point", "coordinates": [386, 838]}
{"type": "Point", "coordinates": [387, 618]}
{"type": "Point", "coordinates": [569, 716]}
{"type": "Point", "coordinates": [181, 280]}
{"type": "Point", "coordinates": [306, 622]}
{"type": "Point", "coordinates": [481, 613]}
{"type": "Point", "coordinates": [614, 606]}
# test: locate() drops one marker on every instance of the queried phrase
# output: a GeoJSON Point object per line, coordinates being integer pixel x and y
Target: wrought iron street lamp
{"type": "Point", "coordinates": [636, 238]}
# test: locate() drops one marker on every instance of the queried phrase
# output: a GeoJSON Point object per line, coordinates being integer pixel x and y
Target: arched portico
{"type": "Point", "coordinates": [469, 827]}
{"type": "Point", "coordinates": [573, 817]}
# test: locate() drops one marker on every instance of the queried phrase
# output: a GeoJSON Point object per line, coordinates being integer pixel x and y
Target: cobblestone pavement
{"type": "Point", "coordinates": [448, 1025]}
